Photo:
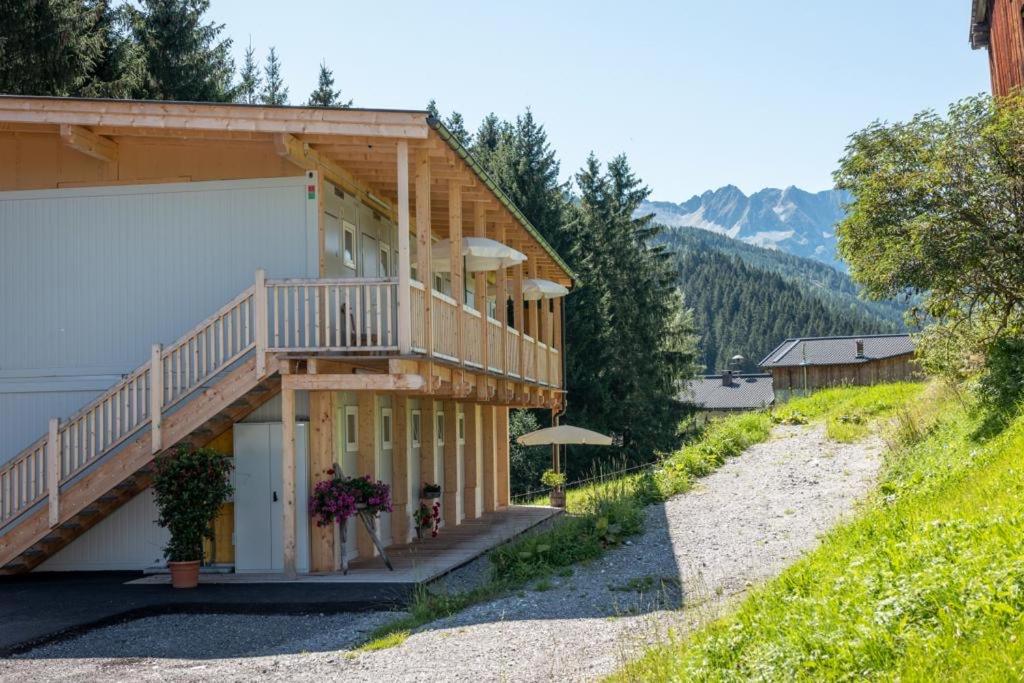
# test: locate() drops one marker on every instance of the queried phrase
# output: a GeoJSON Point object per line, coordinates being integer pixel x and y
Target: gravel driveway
{"type": "Point", "coordinates": [737, 527]}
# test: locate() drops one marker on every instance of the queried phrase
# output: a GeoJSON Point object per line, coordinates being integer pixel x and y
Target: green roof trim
{"type": "Point", "coordinates": [461, 150]}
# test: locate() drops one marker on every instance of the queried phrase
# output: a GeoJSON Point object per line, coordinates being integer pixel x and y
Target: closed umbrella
{"type": "Point", "coordinates": [534, 290]}
{"type": "Point", "coordinates": [481, 254]}
{"type": "Point", "coordinates": [564, 434]}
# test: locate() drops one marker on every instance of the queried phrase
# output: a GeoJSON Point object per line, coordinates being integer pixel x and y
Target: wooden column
{"type": "Point", "coordinates": [259, 304]}
{"type": "Point", "coordinates": [400, 513]}
{"type": "Point", "coordinates": [501, 436]}
{"type": "Point", "coordinates": [532, 317]}
{"type": "Point", "coordinates": [156, 396]}
{"type": "Point", "coordinates": [490, 472]}
{"type": "Point", "coordinates": [424, 245]}
{"type": "Point", "coordinates": [520, 316]}
{"type": "Point", "coordinates": [322, 455]}
{"type": "Point", "coordinates": [470, 456]}
{"type": "Point", "coordinates": [404, 295]}
{"type": "Point", "coordinates": [288, 479]}
{"type": "Point", "coordinates": [502, 306]}
{"type": "Point", "coordinates": [53, 458]}
{"type": "Point", "coordinates": [558, 342]}
{"type": "Point", "coordinates": [480, 294]}
{"type": "Point", "coordinates": [455, 255]}
{"type": "Point", "coordinates": [451, 457]}
{"type": "Point", "coordinates": [428, 441]}
{"type": "Point", "coordinates": [366, 461]}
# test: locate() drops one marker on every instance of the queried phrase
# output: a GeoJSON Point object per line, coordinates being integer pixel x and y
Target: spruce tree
{"type": "Point", "coordinates": [248, 90]}
{"type": "Point", "coordinates": [325, 95]}
{"type": "Point", "coordinates": [274, 90]}
{"type": "Point", "coordinates": [186, 59]}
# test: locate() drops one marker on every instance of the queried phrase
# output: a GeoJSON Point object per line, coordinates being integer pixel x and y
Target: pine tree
{"type": "Point", "coordinates": [325, 95]}
{"type": "Point", "coordinates": [248, 91]}
{"type": "Point", "coordinates": [120, 70]}
{"type": "Point", "coordinates": [274, 90]}
{"type": "Point", "coordinates": [185, 58]}
{"type": "Point", "coordinates": [456, 125]}
{"type": "Point", "coordinates": [432, 109]}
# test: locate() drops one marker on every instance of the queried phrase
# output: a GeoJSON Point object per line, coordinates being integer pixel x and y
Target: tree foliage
{"type": "Point", "coordinates": [274, 90]}
{"type": "Point", "coordinates": [325, 95]}
{"type": "Point", "coordinates": [249, 79]}
{"type": "Point", "coordinates": [938, 209]}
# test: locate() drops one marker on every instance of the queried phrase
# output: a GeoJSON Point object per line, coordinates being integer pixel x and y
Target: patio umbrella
{"type": "Point", "coordinates": [564, 434]}
{"type": "Point", "coordinates": [534, 290]}
{"type": "Point", "coordinates": [481, 254]}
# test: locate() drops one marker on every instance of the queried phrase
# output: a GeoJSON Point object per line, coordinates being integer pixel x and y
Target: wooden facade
{"type": "Point", "coordinates": [392, 338]}
{"type": "Point", "coordinates": [795, 379]}
{"type": "Point", "coordinates": [998, 26]}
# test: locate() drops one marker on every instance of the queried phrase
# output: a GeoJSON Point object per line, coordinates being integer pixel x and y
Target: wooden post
{"type": "Point", "coordinates": [480, 294]}
{"type": "Point", "coordinates": [455, 254]}
{"type": "Point", "coordinates": [156, 396]}
{"type": "Point", "coordinates": [558, 342]}
{"type": "Point", "coordinates": [259, 302]}
{"type": "Point", "coordinates": [533, 322]}
{"type": "Point", "coordinates": [428, 441]}
{"type": "Point", "coordinates": [401, 514]}
{"type": "Point", "coordinates": [520, 316]}
{"type": "Point", "coordinates": [470, 457]}
{"type": "Point", "coordinates": [501, 306]}
{"type": "Point", "coordinates": [288, 478]}
{"type": "Point", "coordinates": [404, 295]}
{"type": "Point", "coordinates": [451, 459]}
{"type": "Point", "coordinates": [321, 459]}
{"type": "Point", "coordinates": [366, 461]}
{"type": "Point", "coordinates": [501, 424]}
{"type": "Point", "coordinates": [424, 245]}
{"type": "Point", "coordinates": [490, 456]}
{"type": "Point", "coordinates": [53, 456]}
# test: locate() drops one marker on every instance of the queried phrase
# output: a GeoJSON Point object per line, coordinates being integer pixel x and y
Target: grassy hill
{"type": "Point", "coordinates": [926, 583]}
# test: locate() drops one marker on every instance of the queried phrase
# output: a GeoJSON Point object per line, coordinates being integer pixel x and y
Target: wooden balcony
{"type": "Point", "coordinates": [362, 316]}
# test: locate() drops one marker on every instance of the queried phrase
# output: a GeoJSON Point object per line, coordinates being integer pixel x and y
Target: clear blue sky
{"type": "Point", "coordinates": [697, 93]}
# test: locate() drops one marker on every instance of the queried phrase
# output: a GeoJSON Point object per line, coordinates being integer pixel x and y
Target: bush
{"type": "Point", "coordinates": [552, 479]}
{"type": "Point", "coordinates": [1001, 384]}
{"type": "Point", "coordinates": [190, 485]}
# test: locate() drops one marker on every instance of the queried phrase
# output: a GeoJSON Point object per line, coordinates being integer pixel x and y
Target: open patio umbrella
{"type": "Point", "coordinates": [534, 290]}
{"type": "Point", "coordinates": [564, 434]}
{"type": "Point", "coordinates": [481, 253]}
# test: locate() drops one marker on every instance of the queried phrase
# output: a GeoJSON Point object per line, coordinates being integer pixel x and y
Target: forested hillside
{"type": "Point", "coordinates": [741, 309]}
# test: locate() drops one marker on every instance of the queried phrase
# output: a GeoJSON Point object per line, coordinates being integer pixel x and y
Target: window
{"type": "Point", "coordinates": [417, 428]}
{"type": "Point", "coordinates": [385, 260]}
{"type": "Point", "coordinates": [439, 428]}
{"type": "Point", "coordinates": [349, 241]}
{"type": "Point", "coordinates": [351, 428]}
{"type": "Point", "coordinates": [462, 428]}
{"type": "Point", "coordinates": [385, 428]}
{"type": "Point", "coordinates": [394, 262]}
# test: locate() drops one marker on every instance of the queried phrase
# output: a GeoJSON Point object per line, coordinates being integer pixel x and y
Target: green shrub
{"type": "Point", "coordinates": [189, 486]}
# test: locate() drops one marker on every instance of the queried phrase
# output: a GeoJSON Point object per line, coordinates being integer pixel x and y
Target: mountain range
{"type": "Point", "coordinates": [790, 220]}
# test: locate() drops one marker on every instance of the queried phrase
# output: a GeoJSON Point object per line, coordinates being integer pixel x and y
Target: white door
{"type": "Point", "coordinates": [369, 258]}
{"type": "Point", "coordinates": [348, 458]}
{"type": "Point", "coordinates": [259, 498]}
{"type": "Point", "coordinates": [460, 467]}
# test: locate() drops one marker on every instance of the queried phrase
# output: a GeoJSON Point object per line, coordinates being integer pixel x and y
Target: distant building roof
{"type": "Point", "coordinates": [837, 350]}
{"type": "Point", "coordinates": [743, 392]}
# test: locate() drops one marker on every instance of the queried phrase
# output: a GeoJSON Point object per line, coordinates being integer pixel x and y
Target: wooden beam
{"type": "Point", "coordinates": [288, 479]}
{"type": "Point", "coordinates": [455, 256]}
{"type": "Point", "coordinates": [53, 458]}
{"type": "Point", "coordinates": [490, 457]}
{"type": "Point", "coordinates": [480, 286]}
{"type": "Point", "coordinates": [423, 247]}
{"type": "Point", "coordinates": [451, 460]}
{"type": "Point", "coordinates": [501, 429]}
{"type": "Point", "coordinates": [321, 458]}
{"type": "Point", "coordinates": [360, 382]}
{"type": "Point", "coordinates": [366, 460]}
{"type": "Point", "coordinates": [400, 448]}
{"type": "Point", "coordinates": [404, 295]}
{"type": "Point", "coordinates": [470, 458]}
{"type": "Point", "coordinates": [89, 143]}
{"type": "Point", "coordinates": [428, 442]}
{"type": "Point", "coordinates": [520, 315]}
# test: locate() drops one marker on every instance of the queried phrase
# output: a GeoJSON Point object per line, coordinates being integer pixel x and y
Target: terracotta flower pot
{"type": "Point", "coordinates": [184, 574]}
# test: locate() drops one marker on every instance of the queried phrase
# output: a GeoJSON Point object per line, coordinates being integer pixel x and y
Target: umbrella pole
{"type": "Point", "coordinates": [555, 460]}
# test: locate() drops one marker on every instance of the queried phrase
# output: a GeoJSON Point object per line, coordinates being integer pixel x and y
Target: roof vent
{"type": "Point", "coordinates": [860, 348]}
{"type": "Point", "coordinates": [727, 378]}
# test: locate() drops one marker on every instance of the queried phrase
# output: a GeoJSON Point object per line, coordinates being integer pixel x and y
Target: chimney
{"type": "Point", "coordinates": [860, 348]}
{"type": "Point", "coordinates": [727, 378]}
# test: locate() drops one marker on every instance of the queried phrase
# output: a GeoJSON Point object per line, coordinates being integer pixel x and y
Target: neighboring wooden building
{"type": "Point", "coordinates": [322, 253]}
{"type": "Point", "coordinates": [717, 395]}
{"type": "Point", "coordinates": [809, 363]}
{"type": "Point", "coordinates": [998, 25]}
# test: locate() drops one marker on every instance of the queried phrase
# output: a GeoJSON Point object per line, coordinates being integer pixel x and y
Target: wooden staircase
{"type": "Point", "coordinates": [92, 463]}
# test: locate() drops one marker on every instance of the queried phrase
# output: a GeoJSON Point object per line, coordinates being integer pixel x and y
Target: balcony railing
{"type": "Point", "coordinates": [360, 315]}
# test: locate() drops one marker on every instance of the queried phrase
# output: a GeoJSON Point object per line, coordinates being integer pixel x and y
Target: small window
{"type": "Point", "coordinates": [417, 428]}
{"type": "Point", "coordinates": [385, 428]}
{"type": "Point", "coordinates": [350, 244]}
{"type": "Point", "coordinates": [439, 428]}
{"type": "Point", "coordinates": [385, 261]}
{"type": "Point", "coordinates": [462, 428]}
{"type": "Point", "coordinates": [394, 262]}
{"type": "Point", "coordinates": [351, 428]}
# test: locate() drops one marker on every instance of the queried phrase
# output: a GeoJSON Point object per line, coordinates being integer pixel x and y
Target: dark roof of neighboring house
{"type": "Point", "coordinates": [979, 24]}
{"type": "Point", "coordinates": [743, 392]}
{"type": "Point", "coordinates": [837, 350]}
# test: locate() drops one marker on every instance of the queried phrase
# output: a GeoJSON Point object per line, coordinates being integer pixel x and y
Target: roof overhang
{"type": "Point", "coordinates": [980, 23]}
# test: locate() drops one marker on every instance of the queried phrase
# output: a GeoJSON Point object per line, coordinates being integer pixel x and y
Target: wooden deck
{"type": "Point", "coordinates": [415, 563]}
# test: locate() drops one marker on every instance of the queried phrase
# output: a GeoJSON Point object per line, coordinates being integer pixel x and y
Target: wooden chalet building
{"type": "Point", "coordinates": [286, 284]}
{"type": "Point", "coordinates": [804, 364]}
{"type": "Point", "coordinates": [998, 26]}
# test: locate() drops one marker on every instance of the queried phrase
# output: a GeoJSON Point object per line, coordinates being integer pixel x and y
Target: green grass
{"type": "Point", "coordinates": [926, 583]}
{"type": "Point", "coordinates": [610, 509]}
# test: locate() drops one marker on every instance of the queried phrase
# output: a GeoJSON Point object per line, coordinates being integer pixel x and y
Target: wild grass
{"type": "Point", "coordinates": [926, 583]}
{"type": "Point", "coordinates": [609, 509]}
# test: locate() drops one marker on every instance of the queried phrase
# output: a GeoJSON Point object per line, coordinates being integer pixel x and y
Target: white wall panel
{"type": "Point", "coordinates": [92, 277]}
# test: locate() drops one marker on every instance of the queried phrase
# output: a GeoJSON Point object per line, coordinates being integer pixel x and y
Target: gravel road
{"type": "Point", "coordinates": [737, 527]}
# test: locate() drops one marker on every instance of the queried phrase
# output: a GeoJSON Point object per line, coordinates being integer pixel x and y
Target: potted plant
{"type": "Point", "coordinates": [336, 499]}
{"type": "Point", "coordinates": [431, 491]}
{"type": "Point", "coordinates": [427, 517]}
{"type": "Point", "coordinates": [189, 485]}
{"type": "Point", "coordinates": [555, 481]}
